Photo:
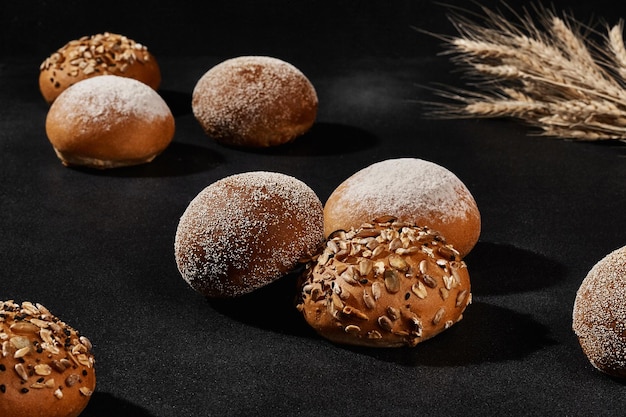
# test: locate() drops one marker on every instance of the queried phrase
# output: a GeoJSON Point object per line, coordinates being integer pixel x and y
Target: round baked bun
{"type": "Point", "coordinates": [599, 316]}
{"type": "Point", "coordinates": [245, 231]}
{"type": "Point", "coordinates": [254, 101]}
{"type": "Point", "coordinates": [384, 284]}
{"type": "Point", "coordinates": [108, 122]}
{"type": "Point", "coordinates": [46, 367]}
{"type": "Point", "coordinates": [90, 56]}
{"type": "Point", "coordinates": [414, 191]}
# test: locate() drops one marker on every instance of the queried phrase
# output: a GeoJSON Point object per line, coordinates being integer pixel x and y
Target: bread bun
{"type": "Point", "coordinates": [46, 367]}
{"type": "Point", "coordinates": [90, 56]}
{"type": "Point", "coordinates": [254, 101]}
{"type": "Point", "coordinates": [108, 122]}
{"type": "Point", "coordinates": [245, 231]}
{"type": "Point", "coordinates": [599, 316]}
{"type": "Point", "coordinates": [413, 190]}
{"type": "Point", "coordinates": [384, 284]}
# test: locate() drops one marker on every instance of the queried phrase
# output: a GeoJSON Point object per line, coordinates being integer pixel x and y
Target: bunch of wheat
{"type": "Point", "coordinates": [550, 75]}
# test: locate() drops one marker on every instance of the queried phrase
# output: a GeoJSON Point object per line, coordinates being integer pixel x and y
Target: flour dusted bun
{"type": "Point", "coordinates": [599, 316]}
{"type": "Point", "coordinates": [254, 101]}
{"type": "Point", "coordinates": [108, 122]}
{"type": "Point", "coordinates": [245, 231]}
{"type": "Point", "coordinates": [384, 284]}
{"type": "Point", "coordinates": [90, 56]}
{"type": "Point", "coordinates": [46, 366]}
{"type": "Point", "coordinates": [414, 191]}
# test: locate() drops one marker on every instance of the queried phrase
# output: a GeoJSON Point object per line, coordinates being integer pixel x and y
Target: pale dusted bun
{"type": "Point", "coordinates": [384, 285]}
{"type": "Point", "coordinates": [108, 122]}
{"type": "Point", "coordinates": [413, 190]}
{"type": "Point", "coordinates": [245, 231]}
{"type": "Point", "coordinates": [90, 56]}
{"type": "Point", "coordinates": [254, 101]}
{"type": "Point", "coordinates": [46, 367]}
{"type": "Point", "coordinates": [599, 316]}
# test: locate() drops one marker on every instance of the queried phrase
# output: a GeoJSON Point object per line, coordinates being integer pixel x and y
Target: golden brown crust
{"type": "Point", "coordinates": [46, 366]}
{"type": "Point", "coordinates": [599, 314]}
{"type": "Point", "coordinates": [384, 284]}
{"type": "Point", "coordinates": [414, 191]}
{"type": "Point", "coordinates": [109, 121]}
{"type": "Point", "coordinates": [245, 231]}
{"type": "Point", "coordinates": [100, 54]}
{"type": "Point", "coordinates": [254, 101]}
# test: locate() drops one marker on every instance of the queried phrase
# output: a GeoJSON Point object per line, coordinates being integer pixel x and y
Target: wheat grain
{"type": "Point", "coordinates": [616, 46]}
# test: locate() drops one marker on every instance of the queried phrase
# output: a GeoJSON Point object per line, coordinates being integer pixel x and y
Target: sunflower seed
{"type": "Point", "coordinates": [20, 353]}
{"type": "Point", "coordinates": [444, 293]}
{"type": "Point", "coordinates": [352, 329]}
{"type": "Point", "coordinates": [368, 300]}
{"type": "Point", "coordinates": [365, 267]}
{"type": "Point", "coordinates": [385, 323]}
{"type": "Point", "coordinates": [392, 281]}
{"type": "Point", "coordinates": [376, 290]}
{"type": "Point", "coordinates": [460, 297]}
{"type": "Point", "coordinates": [419, 289]}
{"type": "Point", "coordinates": [393, 313]}
{"type": "Point", "coordinates": [351, 311]}
{"type": "Point", "coordinates": [24, 327]}
{"type": "Point", "coordinates": [430, 281]}
{"type": "Point", "coordinates": [21, 371]}
{"type": "Point", "coordinates": [423, 266]}
{"type": "Point", "coordinates": [43, 369]}
{"type": "Point", "coordinates": [438, 316]}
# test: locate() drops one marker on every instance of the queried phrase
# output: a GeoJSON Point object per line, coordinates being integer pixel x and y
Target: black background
{"type": "Point", "coordinates": [96, 247]}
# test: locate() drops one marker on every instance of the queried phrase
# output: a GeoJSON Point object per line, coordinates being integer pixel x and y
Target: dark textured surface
{"type": "Point", "coordinates": [96, 248]}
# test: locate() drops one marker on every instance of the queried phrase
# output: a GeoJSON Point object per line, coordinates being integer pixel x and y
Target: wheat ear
{"type": "Point", "coordinates": [548, 75]}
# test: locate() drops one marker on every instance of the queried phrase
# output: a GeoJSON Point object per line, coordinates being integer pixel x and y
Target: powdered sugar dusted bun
{"type": "Point", "coordinates": [384, 284]}
{"type": "Point", "coordinates": [46, 366]}
{"type": "Point", "coordinates": [245, 231]}
{"type": "Point", "coordinates": [254, 101]}
{"type": "Point", "coordinates": [599, 317]}
{"type": "Point", "coordinates": [100, 54]}
{"type": "Point", "coordinates": [414, 191]}
{"type": "Point", "coordinates": [109, 121]}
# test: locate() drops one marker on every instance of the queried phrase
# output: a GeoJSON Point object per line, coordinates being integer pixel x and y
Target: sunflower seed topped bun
{"type": "Point", "coordinates": [100, 54]}
{"type": "Point", "coordinates": [46, 366]}
{"type": "Point", "coordinates": [384, 284]}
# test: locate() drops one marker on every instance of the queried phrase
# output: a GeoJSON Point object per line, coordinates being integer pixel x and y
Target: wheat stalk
{"type": "Point", "coordinates": [549, 75]}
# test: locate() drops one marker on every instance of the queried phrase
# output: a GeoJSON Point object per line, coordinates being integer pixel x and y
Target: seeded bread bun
{"type": "Point", "coordinates": [90, 56]}
{"type": "Point", "coordinates": [108, 122]}
{"type": "Point", "coordinates": [384, 284]}
{"type": "Point", "coordinates": [245, 231]}
{"type": "Point", "coordinates": [254, 101]}
{"type": "Point", "coordinates": [599, 316]}
{"type": "Point", "coordinates": [413, 190]}
{"type": "Point", "coordinates": [46, 367]}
